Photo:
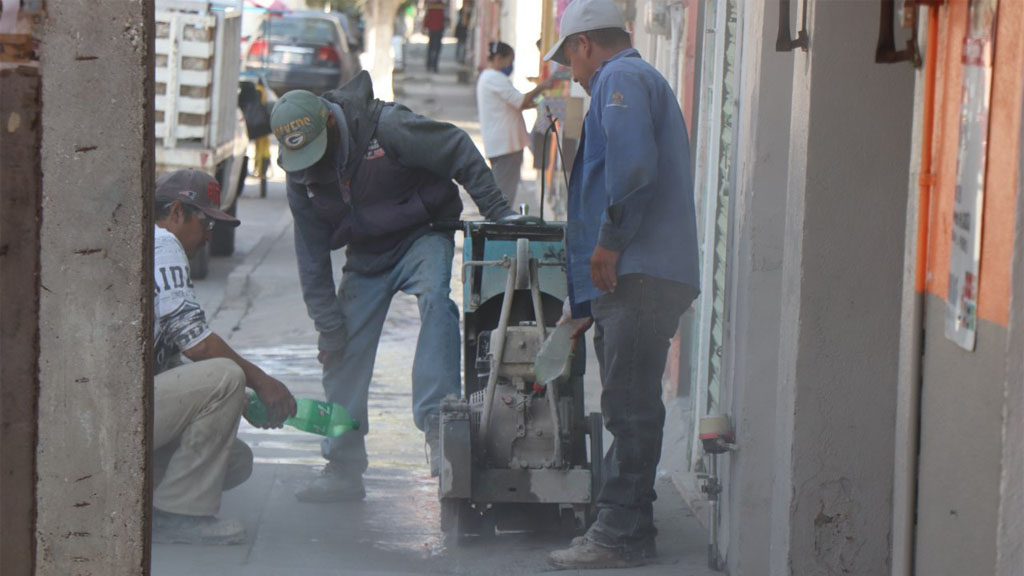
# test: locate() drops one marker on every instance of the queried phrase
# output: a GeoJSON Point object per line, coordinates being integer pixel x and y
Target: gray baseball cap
{"type": "Point", "coordinates": [584, 16]}
{"type": "Point", "coordinates": [194, 188]}
{"type": "Point", "coordinates": [299, 122]}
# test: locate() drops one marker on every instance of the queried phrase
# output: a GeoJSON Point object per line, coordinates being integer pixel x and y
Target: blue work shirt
{"type": "Point", "coordinates": [631, 190]}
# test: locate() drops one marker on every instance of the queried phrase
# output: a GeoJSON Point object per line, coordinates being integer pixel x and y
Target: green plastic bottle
{"type": "Point", "coordinates": [314, 416]}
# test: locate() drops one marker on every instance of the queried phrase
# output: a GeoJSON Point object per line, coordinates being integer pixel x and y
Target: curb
{"type": "Point", "coordinates": [234, 304]}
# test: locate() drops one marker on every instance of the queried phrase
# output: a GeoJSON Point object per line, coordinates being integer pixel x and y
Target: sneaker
{"type": "Point", "coordinates": [170, 528]}
{"type": "Point", "coordinates": [433, 435]}
{"type": "Point", "coordinates": [334, 484]}
{"type": "Point", "coordinates": [585, 553]}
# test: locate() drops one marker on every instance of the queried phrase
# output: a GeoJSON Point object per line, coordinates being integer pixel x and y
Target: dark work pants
{"type": "Point", "coordinates": [633, 328]}
{"type": "Point", "coordinates": [434, 49]}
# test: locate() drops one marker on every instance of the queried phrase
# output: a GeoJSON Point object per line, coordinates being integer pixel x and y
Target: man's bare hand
{"type": "Point", "coordinates": [603, 266]}
{"type": "Point", "coordinates": [275, 396]}
{"type": "Point", "coordinates": [580, 326]}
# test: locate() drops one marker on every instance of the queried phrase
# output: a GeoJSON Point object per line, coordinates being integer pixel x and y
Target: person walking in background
{"type": "Point", "coordinates": [434, 22]}
{"type": "Point", "coordinates": [632, 265]}
{"type": "Point", "coordinates": [501, 106]}
{"type": "Point", "coordinates": [462, 33]}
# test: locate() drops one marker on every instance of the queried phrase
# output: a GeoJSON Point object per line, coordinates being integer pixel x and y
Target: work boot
{"type": "Point", "coordinates": [584, 553]}
{"type": "Point", "coordinates": [647, 548]}
{"type": "Point", "coordinates": [171, 528]}
{"type": "Point", "coordinates": [334, 484]}
{"type": "Point", "coordinates": [433, 434]}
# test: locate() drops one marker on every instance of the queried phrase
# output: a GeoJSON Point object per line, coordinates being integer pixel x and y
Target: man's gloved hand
{"type": "Point", "coordinates": [275, 396]}
{"type": "Point", "coordinates": [580, 325]}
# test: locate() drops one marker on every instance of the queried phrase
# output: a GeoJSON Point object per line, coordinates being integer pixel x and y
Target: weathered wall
{"type": "Point", "coordinates": [964, 394]}
{"type": "Point", "coordinates": [1010, 546]}
{"type": "Point", "coordinates": [841, 280]}
{"type": "Point", "coordinates": [756, 266]}
{"type": "Point", "coordinates": [961, 448]}
{"type": "Point", "coordinates": [96, 261]}
{"type": "Point", "coordinates": [20, 187]}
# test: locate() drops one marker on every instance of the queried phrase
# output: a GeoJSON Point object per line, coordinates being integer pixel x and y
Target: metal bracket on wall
{"type": "Point", "coordinates": [785, 41]}
{"type": "Point", "coordinates": [885, 51]}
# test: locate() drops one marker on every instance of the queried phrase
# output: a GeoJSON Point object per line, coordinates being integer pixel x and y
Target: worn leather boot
{"type": "Point", "coordinates": [584, 553]}
{"type": "Point", "coordinates": [335, 484]}
{"type": "Point", "coordinates": [647, 548]}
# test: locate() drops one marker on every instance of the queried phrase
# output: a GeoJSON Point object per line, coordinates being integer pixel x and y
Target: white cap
{"type": "Point", "coordinates": [584, 16]}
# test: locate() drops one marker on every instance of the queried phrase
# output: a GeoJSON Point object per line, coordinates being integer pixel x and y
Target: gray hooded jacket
{"type": "Point", "coordinates": [389, 178]}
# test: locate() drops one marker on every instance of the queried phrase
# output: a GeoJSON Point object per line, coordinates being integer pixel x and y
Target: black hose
{"type": "Point", "coordinates": [552, 129]}
{"type": "Point", "coordinates": [543, 167]}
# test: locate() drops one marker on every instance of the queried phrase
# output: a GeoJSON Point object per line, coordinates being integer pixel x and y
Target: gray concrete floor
{"type": "Point", "coordinates": [255, 302]}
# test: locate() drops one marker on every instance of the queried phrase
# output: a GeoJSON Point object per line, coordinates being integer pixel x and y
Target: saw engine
{"type": "Point", "coordinates": [514, 447]}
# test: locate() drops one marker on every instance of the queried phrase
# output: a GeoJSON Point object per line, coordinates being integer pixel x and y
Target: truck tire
{"type": "Point", "coordinates": [222, 239]}
{"type": "Point", "coordinates": [199, 265]}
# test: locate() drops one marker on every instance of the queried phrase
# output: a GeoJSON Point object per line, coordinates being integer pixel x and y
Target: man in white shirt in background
{"type": "Point", "coordinates": [197, 405]}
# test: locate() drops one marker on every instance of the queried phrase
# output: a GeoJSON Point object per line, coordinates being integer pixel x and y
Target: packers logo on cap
{"type": "Point", "coordinates": [295, 140]}
{"type": "Point", "coordinates": [293, 133]}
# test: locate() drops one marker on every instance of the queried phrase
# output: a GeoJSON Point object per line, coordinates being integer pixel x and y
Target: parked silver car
{"type": "Point", "coordinates": [302, 50]}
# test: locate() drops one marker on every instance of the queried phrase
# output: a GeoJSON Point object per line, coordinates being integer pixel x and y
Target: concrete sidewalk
{"type": "Point", "coordinates": [256, 305]}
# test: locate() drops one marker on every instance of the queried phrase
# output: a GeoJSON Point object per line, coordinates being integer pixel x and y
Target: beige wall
{"type": "Point", "coordinates": [963, 395]}
{"type": "Point", "coordinates": [849, 155]}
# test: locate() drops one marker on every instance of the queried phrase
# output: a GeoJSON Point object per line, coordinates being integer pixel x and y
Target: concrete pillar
{"type": "Point", "coordinates": [95, 316]}
{"type": "Point", "coordinates": [850, 143]}
{"type": "Point", "coordinates": [756, 281]}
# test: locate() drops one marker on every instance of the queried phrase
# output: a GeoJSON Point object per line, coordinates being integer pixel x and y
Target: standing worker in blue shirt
{"type": "Point", "coordinates": [632, 264]}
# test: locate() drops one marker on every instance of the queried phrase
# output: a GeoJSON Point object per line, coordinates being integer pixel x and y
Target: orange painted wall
{"type": "Point", "coordinates": [1003, 145]}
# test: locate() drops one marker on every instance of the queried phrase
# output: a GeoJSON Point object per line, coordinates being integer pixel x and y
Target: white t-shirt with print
{"type": "Point", "coordinates": [501, 120]}
{"type": "Point", "coordinates": [178, 320]}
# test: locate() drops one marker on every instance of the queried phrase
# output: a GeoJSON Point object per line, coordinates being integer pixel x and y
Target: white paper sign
{"type": "Point", "coordinates": [969, 202]}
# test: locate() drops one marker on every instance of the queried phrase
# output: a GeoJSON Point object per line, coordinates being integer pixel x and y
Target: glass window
{"type": "Point", "coordinates": [314, 30]}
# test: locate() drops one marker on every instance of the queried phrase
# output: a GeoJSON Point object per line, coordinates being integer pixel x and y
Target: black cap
{"type": "Point", "coordinates": [194, 188]}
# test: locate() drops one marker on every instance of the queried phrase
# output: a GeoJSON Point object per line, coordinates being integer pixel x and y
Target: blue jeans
{"type": "Point", "coordinates": [424, 271]}
{"type": "Point", "coordinates": [633, 328]}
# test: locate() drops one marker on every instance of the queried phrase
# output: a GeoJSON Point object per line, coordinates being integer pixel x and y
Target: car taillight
{"type": "Point", "coordinates": [327, 53]}
{"type": "Point", "coordinates": [258, 49]}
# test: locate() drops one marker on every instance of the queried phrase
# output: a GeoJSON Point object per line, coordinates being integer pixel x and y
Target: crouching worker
{"type": "Point", "coordinates": [197, 405]}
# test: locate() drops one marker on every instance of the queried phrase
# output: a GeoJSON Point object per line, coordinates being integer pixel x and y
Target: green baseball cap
{"type": "Point", "coordinates": [299, 122]}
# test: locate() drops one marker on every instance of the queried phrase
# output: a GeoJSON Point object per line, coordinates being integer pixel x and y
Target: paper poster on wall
{"type": "Point", "coordinates": [969, 200]}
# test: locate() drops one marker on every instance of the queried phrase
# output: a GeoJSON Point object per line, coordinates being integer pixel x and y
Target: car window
{"type": "Point", "coordinates": [301, 29]}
